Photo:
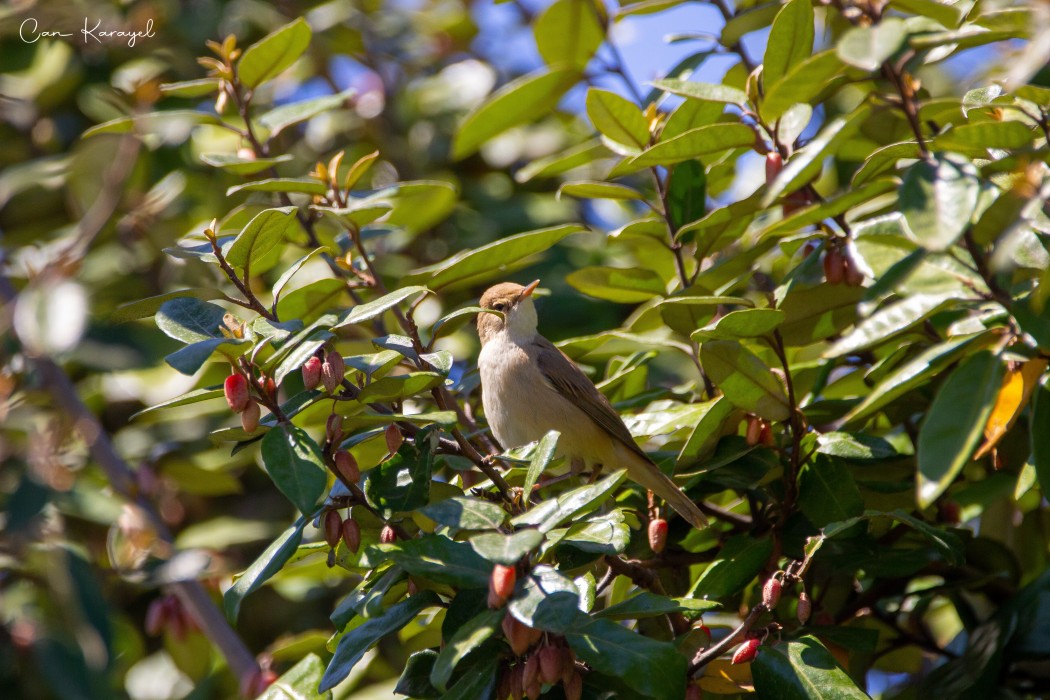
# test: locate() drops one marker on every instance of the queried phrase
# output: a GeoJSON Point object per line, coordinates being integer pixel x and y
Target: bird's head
{"type": "Point", "coordinates": [517, 313]}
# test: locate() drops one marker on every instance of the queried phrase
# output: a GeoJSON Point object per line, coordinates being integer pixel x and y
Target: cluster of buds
{"type": "Point", "coordinates": [501, 585]}
{"type": "Point", "coordinates": [335, 528]}
{"type": "Point", "coordinates": [547, 665]}
{"type": "Point", "coordinates": [167, 614]}
{"type": "Point", "coordinates": [759, 432]}
{"type": "Point", "coordinates": [332, 370]}
{"type": "Point", "coordinates": [239, 398]}
{"type": "Point", "coordinates": [840, 267]}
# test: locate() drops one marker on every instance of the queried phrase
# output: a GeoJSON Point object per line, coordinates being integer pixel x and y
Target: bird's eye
{"type": "Point", "coordinates": [499, 306]}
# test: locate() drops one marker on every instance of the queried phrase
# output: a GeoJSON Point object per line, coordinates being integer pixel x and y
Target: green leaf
{"type": "Point", "coordinates": [690, 115]}
{"type": "Point", "coordinates": [294, 462]}
{"type": "Point", "coordinates": [553, 512]}
{"type": "Point", "coordinates": [466, 639]}
{"type": "Point", "coordinates": [855, 446]}
{"type": "Point", "coordinates": [287, 275]}
{"type": "Point", "coordinates": [399, 387]}
{"type": "Point", "coordinates": [190, 320]}
{"type": "Point", "coordinates": [802, 669]}
{"type": "Point", "coordinates": [804, 82]}
{"type": "Point", "coordinates": [519, 101]}
{"type": "Point", "coordinates": [356, 642]}
{"type": "Point", "coordinates": [949, 544]}
{"type": "Point", "coordinates": [547, 600]}
{"type": "Point", "coordinates": [266, 58]}
{"type": "Point", "coordinates": [376, 307]}
{"type": "Point", "coordinates": [233, 163]}
{"type": "Point", "coordinates": [979, 137]}
{"type": "Point", "coordinates": [157, 122]}
{"type": "Point", "coordinates": [740, 560]}
{"type": "Point", "coordinates": [686, 193]}
{"type": "Point", "coordinates": [266, 229]}
{"type": "Point", "coordinates": [745, 323]}
{"type": "Point", "coordinates": [189, 397]}
{"type": "Point", "coordinates": [601, 534]}
{"type": "Point", "coordinates": [869, 47]}
{"type": "Point", "coordinates": [629, 285]}
{"type": "Point", "coordinates": [415, 678]}
{"type": "Point", "coordinates": [645, 604]}
{"type": "Point", "coordinates": [955, 423]}
{"type": "Point", "coordinates": [709, 92]}
{"type": "Point", "coordinates": [790, 40]}
{"type": "Point", "coordinates": [541, 457]}
{"type": "Point", "coordinates": [947, 14]}
{"type": "Point", "coordinates": [489, 261]}
{"type": "Point", "coordinates": [1041, 428]}
{"type": "Point", "coordinates": [691, 144]}
{"type": "Point", "coordinates": [561, 162]}
{"type": "Point", "coordinates": [618, 120]}
{"type": "Point", "coordinates": [938, 198]}
{"type": "Point", "coordinates": [506, 549]}
{"type": "Point", "coordinates": [807, 162]}
{"type": "Point", "coordinates": [273, 558]}
{"type": "Point", "coordinates": [708, 430]}
{"type": "Point", "coordinates": [891, 320]}
{"type": "Point", "coordinates": [815, 313]}
{"type": "Point", "coordinates": [479, 681]}
{"type": "Point", "coordinates": [191, 358]}
{"type": "Point", "coordinates": [296, 185]}
{"type": "Point", "coordinates": [310, 301]}
{"type": "Point", "coordinates": [466, 513]}
{"type": "Point", "coordinates": [190, 88]}
{"type": "Point", "coordinates": [300, 682]}
{"type": "Point", "coordinates": [438, 559]}
{"type": "Point", "coordinates": [585, 189]}
{"type": "Point", "coordinates": [827, 492]}
{"type": "Point", "coordinates": [280, 118]}
{"type": "Point", "coordinates": [569, 32]}
{"type": "Point", "coordinates": [745, 379]}
{"type": "Point", "coordinates": [653, 669]}
{"type": "Point", "coordinates": [143, 308]}
{"type": "Point", "coordinates": [402, 483]}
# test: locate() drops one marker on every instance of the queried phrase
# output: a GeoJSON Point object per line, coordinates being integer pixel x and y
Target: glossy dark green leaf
{"type": "Point", "coordinates": [745, 323]}
{"type": "Point", "coordinates": [891, 320]}
{"type": "Point", "coordinates": [300, 682]}
{"type": "Point", "coordinates": [737, 564]}
{"type": "Point", "coordinates": [629, 285]}
{"type": "Point", "coordinates": [546, 599]}
{"type": "Point", "coordinates": [438, 559]}
{"type": "Point", "coordinates": [519, 101]}
{"type": "Point", "coordinates": [191, 358]}
{"type": "Point", "coordinates": [266, 58]}
{"type": "Point", "coordinates": [376, 307]}
{"type": "Point", "coordinates": [466, 639]}
{"type": "Point", "coordinates": [607, 533]}
{"type": "Point", "coordinates": [506, 549]}
{"type": "Point", "coordinates": [402, 482]}
{"type": "Point", "coordinates": [938, 198]}
{"type": "Point", "coordinates": [541, 457]}
{"type": "Point", "coordinates": [273, 558]}
{"type": "Point", "coordinates": [955, 423]}
{"type": "Point", "coordinates": [414, 681]}
{"type": "Point", "coordinates": [855, 446]}
{"type": "Point", "coordinates": [554, 511]}
{"type": "Point", "coordinates": [356, 642]}
{"type": "Point", "coordinates": [803, 83]}
{"type": "Point", "coordinates": [708, 430]}
{"type": "Point", "coordinates": [645, 604]}
{"type": "Point", "coordinates": [802, 669]}
{"type": "Point", "coordinates": [827, 492]}
{"type": "Point", "coordinates": [790, 40]}
{"type": "Point", "coordinates": [686, 193]}
{"type": "Point", "coordinates": [268, 228]}
{"type": "Point", "coordinates": [294, 462]}
{"type": "Point", "coordinates": [190, 320]}
{"type": "Point", "coordinates": [479, 681]}
{"type": "Point", "coordinates": [866, 47]}
{"type": "Point", "coordinates": [143, 308]}
{"type": "Point", "coordinates": [745, 379]}
{"type": "Point", "coordinates": [280, 118]}
{"type": "Point", "coordinates": [466, 513]}
{"type": "Point", "coordinates": [818, 312]}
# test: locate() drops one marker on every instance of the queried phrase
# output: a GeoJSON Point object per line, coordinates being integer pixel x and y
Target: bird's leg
{"type": "Point", "coordinates": [596, 471]}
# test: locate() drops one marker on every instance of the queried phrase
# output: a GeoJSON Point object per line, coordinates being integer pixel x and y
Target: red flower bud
{"type": "Point", "coordinates": [833, 269]}
{"type": "Point", "coordinates": [346, 465]}
{"type": "Point", "coordinates": [657, 535]}
{"type": "Point", "coordinates": [333, 429]}
{"type": "Point", "coordinates": [250, 417]}
{"type": "Point", "coordinates": [771, 593]}
{"type": "Point", "coordinates": [805, 608]}
{"type": "Point", "coordinates": [765, 435]}
{"type": "Point", "coordinates": [774, 164]}
{"type": "Point", "coordinates": [236, 389]}
{"type": "Point", "coordinates": [393, 439]}
{"type": "Point", "coordinates": [351, 535]}
{"type": "Point", "coordinates": [754, 430]}
{"type": "Point", "coordinates": [501, 585]}
{"type": "Point", "coordinates": [551, 663]}
{"type": "Point", "coordinates": [387, 535]}
{"type": "Point", "coordinates": [568, 667]}
{"type": "Point", "coordinates": [312, 373]}
{"type": "Point", "coordinates": [333, 527]}
{"type": "Point", "coordinates": [332, 370]}
{"type": "Point", "coordinates": [746, 652]}
{"type": "Point", "coordinates": [517, 634]}
{"type": "Point", "coordinates": [573, 686]}
{"type": "Point", "coordinates": [532, 691]}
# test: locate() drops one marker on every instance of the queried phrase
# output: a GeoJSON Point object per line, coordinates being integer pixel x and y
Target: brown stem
{"type": "Point", "coordinates": [713, 652]}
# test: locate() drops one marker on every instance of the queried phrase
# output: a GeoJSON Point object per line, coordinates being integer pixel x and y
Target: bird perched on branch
{"type": "Point", "coordinates": [530, 387]}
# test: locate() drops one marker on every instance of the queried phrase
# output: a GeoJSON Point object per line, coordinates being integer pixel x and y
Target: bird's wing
{"type": "Point", "coordinates": [570, 381]}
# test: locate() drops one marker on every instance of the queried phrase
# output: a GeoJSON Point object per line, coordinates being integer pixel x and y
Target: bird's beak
{"type": "Point", "coordinates": [527, 292]}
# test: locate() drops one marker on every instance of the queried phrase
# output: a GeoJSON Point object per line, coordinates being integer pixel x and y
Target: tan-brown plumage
{"type": "Point", "coordinates": [530, 387]}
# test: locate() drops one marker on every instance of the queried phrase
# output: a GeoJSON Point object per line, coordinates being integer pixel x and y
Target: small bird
{"type": "Point", "coordinates": [530, 387]}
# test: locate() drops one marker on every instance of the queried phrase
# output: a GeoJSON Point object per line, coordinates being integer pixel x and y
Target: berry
{"type": "Point", "coordinates": [333, 527]}
{"type": "Point", "coordinates": [573, 687]}
{"type": "Point", "coordinates": [531, 675]}
{"type": "Point", "coordinates": [346, 466]}
{"type": "Point", "coordinates": [774, 164]}
{"type": "Point", "coordinates": [851, 271]}
{"type": "Point", "coordinates": [754, 430]}
{"type": "Point", "coordinates": [517, 634]}
{"type": "Point", "coordinates": [805, 608]}
{"type": "Point", "coordinates": [771, 593]}
{"type": "Point", "coordinates": [833, 267]}
{"type": "Point", "coordinates": [351, 535]}
{"type": "Point", "coordinates": [332, 370]}
{"type": "Point", "coordinates": [551, 661]}
{"type": "Point", "coordinates": [517, 689]}
{"type": "Point", "coordinates": [501, 585]}
{"type": "Point", "coordinates": [250, 417]}
{"type": "Point", "coordinates": [312, 373]}
{"type": "Point", "coordinates": [657, 535]}
{"type": "Point", "coordinates": [236, 389]}
{"type": "Point", "coordinates": [746, 652]}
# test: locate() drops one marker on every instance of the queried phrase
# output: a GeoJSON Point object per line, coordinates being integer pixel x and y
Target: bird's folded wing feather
{"type": "Point", "coordinates": [570, 381]}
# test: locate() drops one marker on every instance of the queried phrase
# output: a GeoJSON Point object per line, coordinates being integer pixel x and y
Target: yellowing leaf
{"type": "Point", "coordinates": [1017, 386]}
{"type": "Point", "coordinates": [722, 677]}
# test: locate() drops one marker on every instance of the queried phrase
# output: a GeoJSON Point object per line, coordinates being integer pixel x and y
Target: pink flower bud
{"type": "Point", "coordinates": [312, 373]}
{"type": "Point", "coordinates": [236, 390]}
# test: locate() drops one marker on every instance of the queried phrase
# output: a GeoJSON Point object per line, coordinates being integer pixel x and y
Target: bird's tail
{"type": "Point", "coordinates": [644, 472]}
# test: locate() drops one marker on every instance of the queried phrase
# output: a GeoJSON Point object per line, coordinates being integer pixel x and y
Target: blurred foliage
{"type": "Point", "coordinates": [814, 287]}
